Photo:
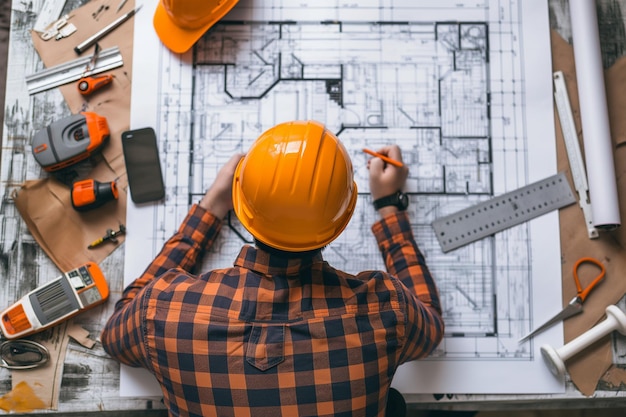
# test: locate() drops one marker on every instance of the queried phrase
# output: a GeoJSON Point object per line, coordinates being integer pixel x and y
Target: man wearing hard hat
{"type": "Point", "coordinates": [282, 332]}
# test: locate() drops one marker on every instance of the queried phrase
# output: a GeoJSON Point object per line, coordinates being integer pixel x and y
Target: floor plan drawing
{"type": "Point", "coordinates": [243, 73]}
{"type": "Point", "coordinates": [447, 81]}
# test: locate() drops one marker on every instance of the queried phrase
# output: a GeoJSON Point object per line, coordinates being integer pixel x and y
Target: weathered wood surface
{"type": "Point", "coordinates": [90, 378]}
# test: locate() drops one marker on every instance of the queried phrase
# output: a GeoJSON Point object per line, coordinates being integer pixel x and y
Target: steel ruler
{"type": "Point", "coordinates": [502, 212]}
{"type": "Point", "coordinates": [576, 164]}
{"type": "Point", "coordinates": [67, 72]}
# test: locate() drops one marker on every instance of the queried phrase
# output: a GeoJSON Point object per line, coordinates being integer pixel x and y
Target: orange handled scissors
{"type": "Point", "coordinates": [576, 305]}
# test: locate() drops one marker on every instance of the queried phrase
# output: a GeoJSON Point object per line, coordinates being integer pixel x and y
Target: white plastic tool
{"type": "Point", "coordinates": [555, 358]}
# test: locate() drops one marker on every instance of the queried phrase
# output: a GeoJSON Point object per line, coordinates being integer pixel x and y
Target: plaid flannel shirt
{"type": "Point", "coordinates": [273, 336]}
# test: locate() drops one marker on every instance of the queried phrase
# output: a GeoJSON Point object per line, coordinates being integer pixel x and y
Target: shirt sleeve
{"type": "Point", "coordinates": [424, 325]}
{"type": "Point", "coordinates": [122, 336]}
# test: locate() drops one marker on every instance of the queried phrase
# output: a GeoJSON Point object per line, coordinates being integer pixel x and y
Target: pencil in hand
{"type": "Point", "coordinates": [384, 158]}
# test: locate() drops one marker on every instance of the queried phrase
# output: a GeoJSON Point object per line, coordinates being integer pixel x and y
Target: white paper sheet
{"type": "Point", "coordinates": [464, 87]}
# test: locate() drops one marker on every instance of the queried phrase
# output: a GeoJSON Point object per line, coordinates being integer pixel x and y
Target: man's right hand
{"type": "Point", "coordinates": [386, 179]}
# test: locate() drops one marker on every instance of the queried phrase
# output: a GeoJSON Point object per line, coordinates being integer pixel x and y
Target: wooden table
{"type": "Point", "coordinates": [90, 380]}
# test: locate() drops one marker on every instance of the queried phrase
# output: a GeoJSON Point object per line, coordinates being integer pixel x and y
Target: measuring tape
{"type": "Point", "coordinates": [576, 164]}
{"type": "Point", "coordinates": [499, 213]}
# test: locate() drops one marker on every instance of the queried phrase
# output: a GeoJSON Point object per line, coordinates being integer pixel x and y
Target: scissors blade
{"type": "Point", "coordinates": [119, 7]}
{"type": "Point", "coordinates": [573, 308]}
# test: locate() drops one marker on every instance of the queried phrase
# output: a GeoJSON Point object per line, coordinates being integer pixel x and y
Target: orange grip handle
{"type": "Point", "coordinates": [88, 85]}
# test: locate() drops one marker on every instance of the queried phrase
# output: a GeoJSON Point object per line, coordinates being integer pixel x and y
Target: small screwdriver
{"type": "Point", "coordinates": [111, 235]}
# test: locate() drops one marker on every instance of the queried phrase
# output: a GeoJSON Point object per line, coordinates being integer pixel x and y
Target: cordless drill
{"type": "Point", "coordinates": [90, 194]}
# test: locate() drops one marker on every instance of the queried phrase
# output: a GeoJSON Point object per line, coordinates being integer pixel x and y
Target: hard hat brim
{"type": "Point", "coordinates": [177, 38]}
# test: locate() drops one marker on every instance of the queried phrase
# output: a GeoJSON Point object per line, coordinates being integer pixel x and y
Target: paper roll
{"type": "Point", "coordinates": [594, 115]}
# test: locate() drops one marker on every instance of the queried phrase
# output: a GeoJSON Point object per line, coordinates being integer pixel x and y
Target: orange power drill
{"type": "Point", "coordinates": [89, 194]}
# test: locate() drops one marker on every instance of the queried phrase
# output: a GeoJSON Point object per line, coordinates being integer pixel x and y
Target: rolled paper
{"type": "Point", "coordinates": [594, 115]}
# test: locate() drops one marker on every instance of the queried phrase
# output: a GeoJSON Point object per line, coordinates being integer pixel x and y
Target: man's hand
{"type": "Point", "coordinates": [218, 199]}
{"type": "Point", "coordinates": [386, 179]}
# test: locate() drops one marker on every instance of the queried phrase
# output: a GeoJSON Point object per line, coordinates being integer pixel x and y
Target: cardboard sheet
{"type": "Point", "coordinates": [45, 204]}
{"type": "Point", "coordinates": [588, 367]}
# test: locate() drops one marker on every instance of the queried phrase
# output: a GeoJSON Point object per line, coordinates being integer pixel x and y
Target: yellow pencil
{"type": "Point", "coordinates": [384, 158]}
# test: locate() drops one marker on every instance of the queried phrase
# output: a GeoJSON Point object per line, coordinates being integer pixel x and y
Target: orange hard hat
{"type": "Point", "coordinates": [180, 23]}
{"type": "Point", "coordinates": [294, 190]}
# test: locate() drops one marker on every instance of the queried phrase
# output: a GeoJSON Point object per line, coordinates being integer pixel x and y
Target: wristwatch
{"type": "Point", "coordinates": [398, 199]}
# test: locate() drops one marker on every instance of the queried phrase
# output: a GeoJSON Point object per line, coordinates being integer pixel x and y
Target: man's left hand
{"type": "Point", "coordinates": [218, 199]}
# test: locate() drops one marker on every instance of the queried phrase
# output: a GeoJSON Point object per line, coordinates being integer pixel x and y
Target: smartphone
{"type": "Point", "coordinates": [143, 166]}
{"type": "Point", "coordinates": [77, 290]}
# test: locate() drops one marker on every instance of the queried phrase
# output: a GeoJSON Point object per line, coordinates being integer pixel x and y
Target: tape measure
{"type": "Point", "coordinates": [502, 212]}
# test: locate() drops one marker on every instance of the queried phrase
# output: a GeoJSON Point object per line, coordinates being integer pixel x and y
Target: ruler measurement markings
{"type": "Point", "coordinates": [574, 154]}
{"type": "Point", "coordinates": [502, 212]}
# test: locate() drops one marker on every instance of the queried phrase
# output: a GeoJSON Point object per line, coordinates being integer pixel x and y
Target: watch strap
{"type": "Point", "coordinates": [389, 200]}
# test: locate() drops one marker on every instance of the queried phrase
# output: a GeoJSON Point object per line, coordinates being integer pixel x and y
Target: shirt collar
{"type": "Point", "coordinates": [272, 265]}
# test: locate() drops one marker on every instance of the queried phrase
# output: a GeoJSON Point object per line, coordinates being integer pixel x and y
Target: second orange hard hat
{"type": "Point", "coordinates": [295, 190]}
{"type": "Point", "coordinates": [180, 23]}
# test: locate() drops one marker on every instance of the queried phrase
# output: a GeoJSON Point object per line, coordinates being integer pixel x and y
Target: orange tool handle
{"type": "Point", "coordinates": [88, 85]}
{"type": "Point", "coordinates": [583, 293]}
{"type": "Point", "coordinates": [89, 193]}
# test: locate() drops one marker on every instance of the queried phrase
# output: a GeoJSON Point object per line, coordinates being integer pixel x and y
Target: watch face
{"type": "Point", "coordinates": [403, 200]}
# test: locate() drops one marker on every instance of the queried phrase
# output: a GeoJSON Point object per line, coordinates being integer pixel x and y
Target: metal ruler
{"type": "Point", "coordinates": [576, 164]}
{"type": "Point", "coordinates": [73, 70]}
{"type": "Point", "coordinates": [502, 212]}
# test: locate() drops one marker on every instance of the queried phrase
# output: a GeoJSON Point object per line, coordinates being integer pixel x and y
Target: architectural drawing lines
{"type": "Point", "coordinates": [423, 85]}
{"type": "Point", "coordinates": [448, 90]}
{"type": "Point", "coordinates": [455, 84]}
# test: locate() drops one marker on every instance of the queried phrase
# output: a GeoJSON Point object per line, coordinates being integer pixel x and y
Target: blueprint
{"type": "Point", "coordinates": [462, 86]}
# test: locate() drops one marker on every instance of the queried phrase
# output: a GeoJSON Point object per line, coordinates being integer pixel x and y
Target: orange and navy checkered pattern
{"type": "Point", "coordinates": [274, 336]}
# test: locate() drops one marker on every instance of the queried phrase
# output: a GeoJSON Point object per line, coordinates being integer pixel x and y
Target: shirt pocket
{"type": "Point", "coordinates": [266, 346]}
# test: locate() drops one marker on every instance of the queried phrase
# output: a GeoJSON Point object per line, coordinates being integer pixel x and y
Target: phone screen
{"type": "Point", "coordinates": [143, 166]}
